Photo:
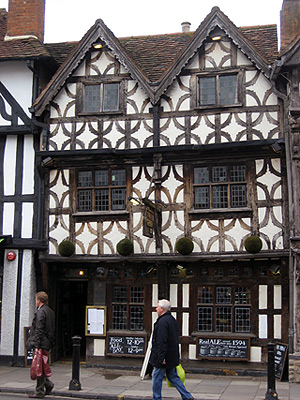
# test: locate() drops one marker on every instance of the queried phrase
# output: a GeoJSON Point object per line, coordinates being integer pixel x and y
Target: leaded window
{"type": "Point", "coordinates": [128, 303]}
{"type": "Point", "coordinates": [223, 309]}
{"type": "Point", "coordinates": [101, 190]}
{"type": "Point", "coordinates": [103, 97]}
{"type": "Point", "coordinates": [221, 186]}
{"type": "Point", "coordinates": [218, 90]}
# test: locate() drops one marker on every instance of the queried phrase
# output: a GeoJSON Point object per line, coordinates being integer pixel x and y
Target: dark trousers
{"type": "Point", "coordinates": [41, 385]}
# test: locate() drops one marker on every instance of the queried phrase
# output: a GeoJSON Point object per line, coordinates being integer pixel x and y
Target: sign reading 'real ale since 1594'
{"type": "Point", "coordinates": [223, 348]}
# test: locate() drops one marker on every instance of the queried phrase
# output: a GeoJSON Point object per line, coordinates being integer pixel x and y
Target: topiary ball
{"type": "Point", "coordinates": [184, 246]}
{"type": "Point", "coordinates": [253, 244]}
{"type": "Point", "coordinates": [66, 248]}
{"type": "Point", "coordinates": [125, 247]}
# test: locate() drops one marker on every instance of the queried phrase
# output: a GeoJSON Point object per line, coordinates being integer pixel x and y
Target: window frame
{"type": "Point", "coordinates": [228, 183]}
{"type": "Point", "coordinates": [101, 82]}
{"type": "Point", "coordinates": [217, 74]}
{"type": "Point", "coordinates": [93, 188]}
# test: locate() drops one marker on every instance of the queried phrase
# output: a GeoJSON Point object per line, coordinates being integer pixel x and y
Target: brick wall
{"type": "Point", "coordinates": [289, 22]}
{"type": "Point", "coordinates": [26, 17]}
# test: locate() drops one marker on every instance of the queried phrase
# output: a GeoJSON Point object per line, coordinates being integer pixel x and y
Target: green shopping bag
{"type": "Point", "coordinates": [180, 373]}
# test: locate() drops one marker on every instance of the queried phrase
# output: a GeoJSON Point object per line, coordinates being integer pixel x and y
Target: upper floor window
{"type": "Point", "coordinates": [220, 186]}
{"type": "Point", "coordinates": [101, 190]}
{"type": "Point", "coordinates": [96, 98]}
{"type": "Point", "coordinates": [219, 90]}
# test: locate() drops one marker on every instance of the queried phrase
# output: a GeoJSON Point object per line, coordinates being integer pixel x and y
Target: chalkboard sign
{"type": "Point", "coordinates": [28, 353]}
{"type": "Point", "coordinates": [126, 345]}
{"type": "Point", "coordinates": [280, 353]}
{"type": "Point", "coordinates": [223, 348]}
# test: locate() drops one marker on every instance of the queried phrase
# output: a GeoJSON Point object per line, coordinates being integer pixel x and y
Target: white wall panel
{"type": "Point", "coordinates": [27, 220]}
{"type": "Point", "coordinates": [185, 324]}
{"type": "Point", "coordinates": [8, 218]}
{"type": "Point", "coordinates": [9, 165]}
{"type": "Point", "coordinates": [277, 326]}
{"type": "Point", "coordinates": [263, 297]}
{"type": "Point", "coordinates": [185, 295]}
{"type": "Point", "coordinates": [263, 326]}
{"type": "Point", "coordinates": [28, 166]}
{"type": "Point", "coordinates": [173, 294]}
{"type": "Point", "coordinates": [277, 297]}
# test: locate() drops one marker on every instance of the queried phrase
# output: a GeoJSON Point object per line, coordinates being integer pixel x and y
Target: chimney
{"type": "Point", "coordinates": [25, 19]}
{"type": "Point", "coordinates": [186, 27]}
{"type": "Point", "coordinates": [289, 22]}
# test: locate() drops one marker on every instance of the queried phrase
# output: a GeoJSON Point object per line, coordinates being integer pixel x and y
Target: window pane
{"type": "Point", "coordinates": [118, 177]}
{"type": "Point", "coordinates": [120, 294]}
{"type": "Point", "coordinates": [201, 175]}
{"type": "Point", "coordinates": [201, 197]}
{"type": "Point", "coordinates": [220, 196]}
{"type": "Point", "coordinates": [111, 97]}
{"type": "Point", "coordinates": [85, 178]}
{"type": "Point", "coordinates": [223, 295]}
{"type": "Point", "coordinates": [118, 199]}
{"type": "Point", "coordinates": [207, 87]}
{"type": "Point", "coordinates": [136, 316]}
{"type": "Point", "coordinates": [91, 101]}
{"type": "Point", "coordinates": [238, 173]}
{"type": "Point", "coordinates": [101, 200]}
{"type": "Point", "coordinates": [101, 178]}
{"type": "Point", "coordinates": [219, 174]}
{"type": "Point", "coordinates": [242, 295]}
{"type": "Point", "coordinates": [228, 89]}
{"type": "Point", "coordinates": [223, 319]}
{"type": "Point", "coordinates": [137, 294]}
{"type": "Point", "coordinates": [204, 319]}
{"type": "Point", "coordinates": [119, 316]}
{"type": "Point", "coordinates": [242, 319]}
{"type": "Point", "coordinates": [84, 200]}
{"type": "Point", "coordinates": [205, 294]}
{"type": "Point", "coordinates": [238, 194]}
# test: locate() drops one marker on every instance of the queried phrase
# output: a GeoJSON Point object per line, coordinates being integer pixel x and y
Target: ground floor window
{"type": "Point", "coordinates": [224, 309]}
{"type": "Point", "coordinates": [128, 304]}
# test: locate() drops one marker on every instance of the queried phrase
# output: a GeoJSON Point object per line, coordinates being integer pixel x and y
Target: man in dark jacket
{"type": "Point", "coordinates": [165, 352]}
{"type": "Point", "coordinates": [41, 336]}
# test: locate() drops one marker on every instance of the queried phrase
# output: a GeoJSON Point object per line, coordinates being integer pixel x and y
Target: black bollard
{"type": "Point", "coordinates": [74, 382]}
{"type": "Point", "coordinates": [271, 390]}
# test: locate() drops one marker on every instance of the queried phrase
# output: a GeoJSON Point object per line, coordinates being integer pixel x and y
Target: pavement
{"type": "Point", "coordinates": [99, 383]}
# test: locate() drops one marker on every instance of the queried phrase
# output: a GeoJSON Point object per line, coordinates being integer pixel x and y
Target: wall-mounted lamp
{"type": "Point", "coordinates": [46, 162]}
{"type": "Point", "coordinates": [134, 200]}
{"type": "Point", "coordinates": [216, 38]}
{"type": "Point", "coordinates": [97, 45]}
{"type": "Point", "coordinates": [278, 145]}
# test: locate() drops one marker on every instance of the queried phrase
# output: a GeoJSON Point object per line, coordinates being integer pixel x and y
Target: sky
{"type": "Point", "coordinates": [68, 20]}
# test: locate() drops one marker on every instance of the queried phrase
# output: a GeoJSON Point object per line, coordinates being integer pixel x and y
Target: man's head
{"type": "Point", "coordinates": [41, 298]}
{"type": "Point", "coordinates": [163, 306]}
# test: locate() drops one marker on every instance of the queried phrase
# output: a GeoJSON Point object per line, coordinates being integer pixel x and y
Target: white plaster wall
{"type": "Point", "coordinates": [263, 297]}
{"type": "Point", "coordinates": [17, 78]}
{"type": "Point", "coordinates": [185, 324]}
{"type": "Point", "coordinates": [8, 218]}
{"type": "Point", "coordinates": [99, 347]}
{"type": "Point", "coordinates": [9, 165]}
{"type": "Point", "coordinates": [10, 269]}
{"type": "Point", "coordinates": [28, 166]}
{"type": "Point", "coordinates": [185, 295]}
{"type": "Point", "coordinates": [27, 220]}
{"type": "Point", "coordinates": [263, 326]}
{"type": "Point", "coordinates": [28, 290]}
{"type": "Point", "coordinates": [277, 297]}
{"type": "Point", "coordinates": [277, 326]}
{"type": "Point", "coordinates": [173, 294]}
{"type": "Point", "coordinates": [192, 352]}
{"type": "Point", "coordinates": [154, 294]}
{"type": "Point", "coordinates": [255, 354]}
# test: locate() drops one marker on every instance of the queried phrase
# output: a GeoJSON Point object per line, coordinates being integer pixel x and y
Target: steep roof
{"type": "Point", "coordinates": [18, 49]}
{"type": "Point", "coordinates": [155, 61]}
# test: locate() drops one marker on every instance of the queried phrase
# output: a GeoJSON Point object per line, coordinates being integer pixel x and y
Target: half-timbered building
{"type": "Point", "coordinates": [190, 127]}
{"type": "Point", "coordinates": [23, 67]}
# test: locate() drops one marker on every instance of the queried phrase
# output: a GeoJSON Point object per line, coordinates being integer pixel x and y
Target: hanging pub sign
{"type": "Point", "coordinates": [148, 222]}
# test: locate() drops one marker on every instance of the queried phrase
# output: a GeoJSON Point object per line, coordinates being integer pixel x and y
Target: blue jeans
{"type": "Point", "coordinates": [157, 379]}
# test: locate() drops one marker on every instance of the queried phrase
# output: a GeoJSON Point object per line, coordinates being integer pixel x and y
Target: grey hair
{"type": "Point", "coordinates": [165, 304]}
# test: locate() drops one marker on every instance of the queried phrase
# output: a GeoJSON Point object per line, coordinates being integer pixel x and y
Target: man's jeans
{"type": "Point", "coordinates": [157, 379]}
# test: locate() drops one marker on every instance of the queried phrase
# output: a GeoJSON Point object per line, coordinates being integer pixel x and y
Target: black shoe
{"type": "Point", "coordinates": [35, 396]}
{"type": "Point", "coordinates": [49, 389]}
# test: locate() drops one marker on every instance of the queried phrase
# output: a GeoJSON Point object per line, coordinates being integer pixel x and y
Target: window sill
{"type": "Point", "coordinates": [223, 335]}
{"type": "Point", "coordinates": [101, 215]}
{"type": "Point", "coordinates": [220, 213]}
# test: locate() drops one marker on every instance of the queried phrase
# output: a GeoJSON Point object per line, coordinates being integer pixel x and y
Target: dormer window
{"type": "Point", "coordinates": [219, 90]}
{"type": "Point", "coordinates": [99, 98]}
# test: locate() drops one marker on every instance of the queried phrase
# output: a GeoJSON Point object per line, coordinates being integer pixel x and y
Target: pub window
{"type": "Point", "coordinates": [103, 97]}
{"type": "Point", "coordinates": [101, 190]}
{"type": "Point", "coordinates": [224, 309]}
{"type": "Point", "coordinates": [128, 303]}
{"type": "Point", "coordinates": [221, 186]}
{"type": "Point", "coordinates": [218, 90]}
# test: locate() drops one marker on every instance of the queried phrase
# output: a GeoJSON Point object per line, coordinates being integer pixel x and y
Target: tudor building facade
{"type": "Point", "coordinates": [192, 143]}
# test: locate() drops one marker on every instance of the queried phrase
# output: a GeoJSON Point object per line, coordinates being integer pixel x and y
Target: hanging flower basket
{"type": "Point", "coordinates": [184, 246]}
{"type": "Point", "coordinates": [253, 244]}
{"type": "Point", "coordinates": [125, 247]}
{"type": "Point", "coordinates": [66, 248]}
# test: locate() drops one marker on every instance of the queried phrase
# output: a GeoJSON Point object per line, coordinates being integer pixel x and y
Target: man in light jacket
{"type": "Point", "coordinates": [165, 352]}
{"type": "Point", "coordinates": [42, 336]}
